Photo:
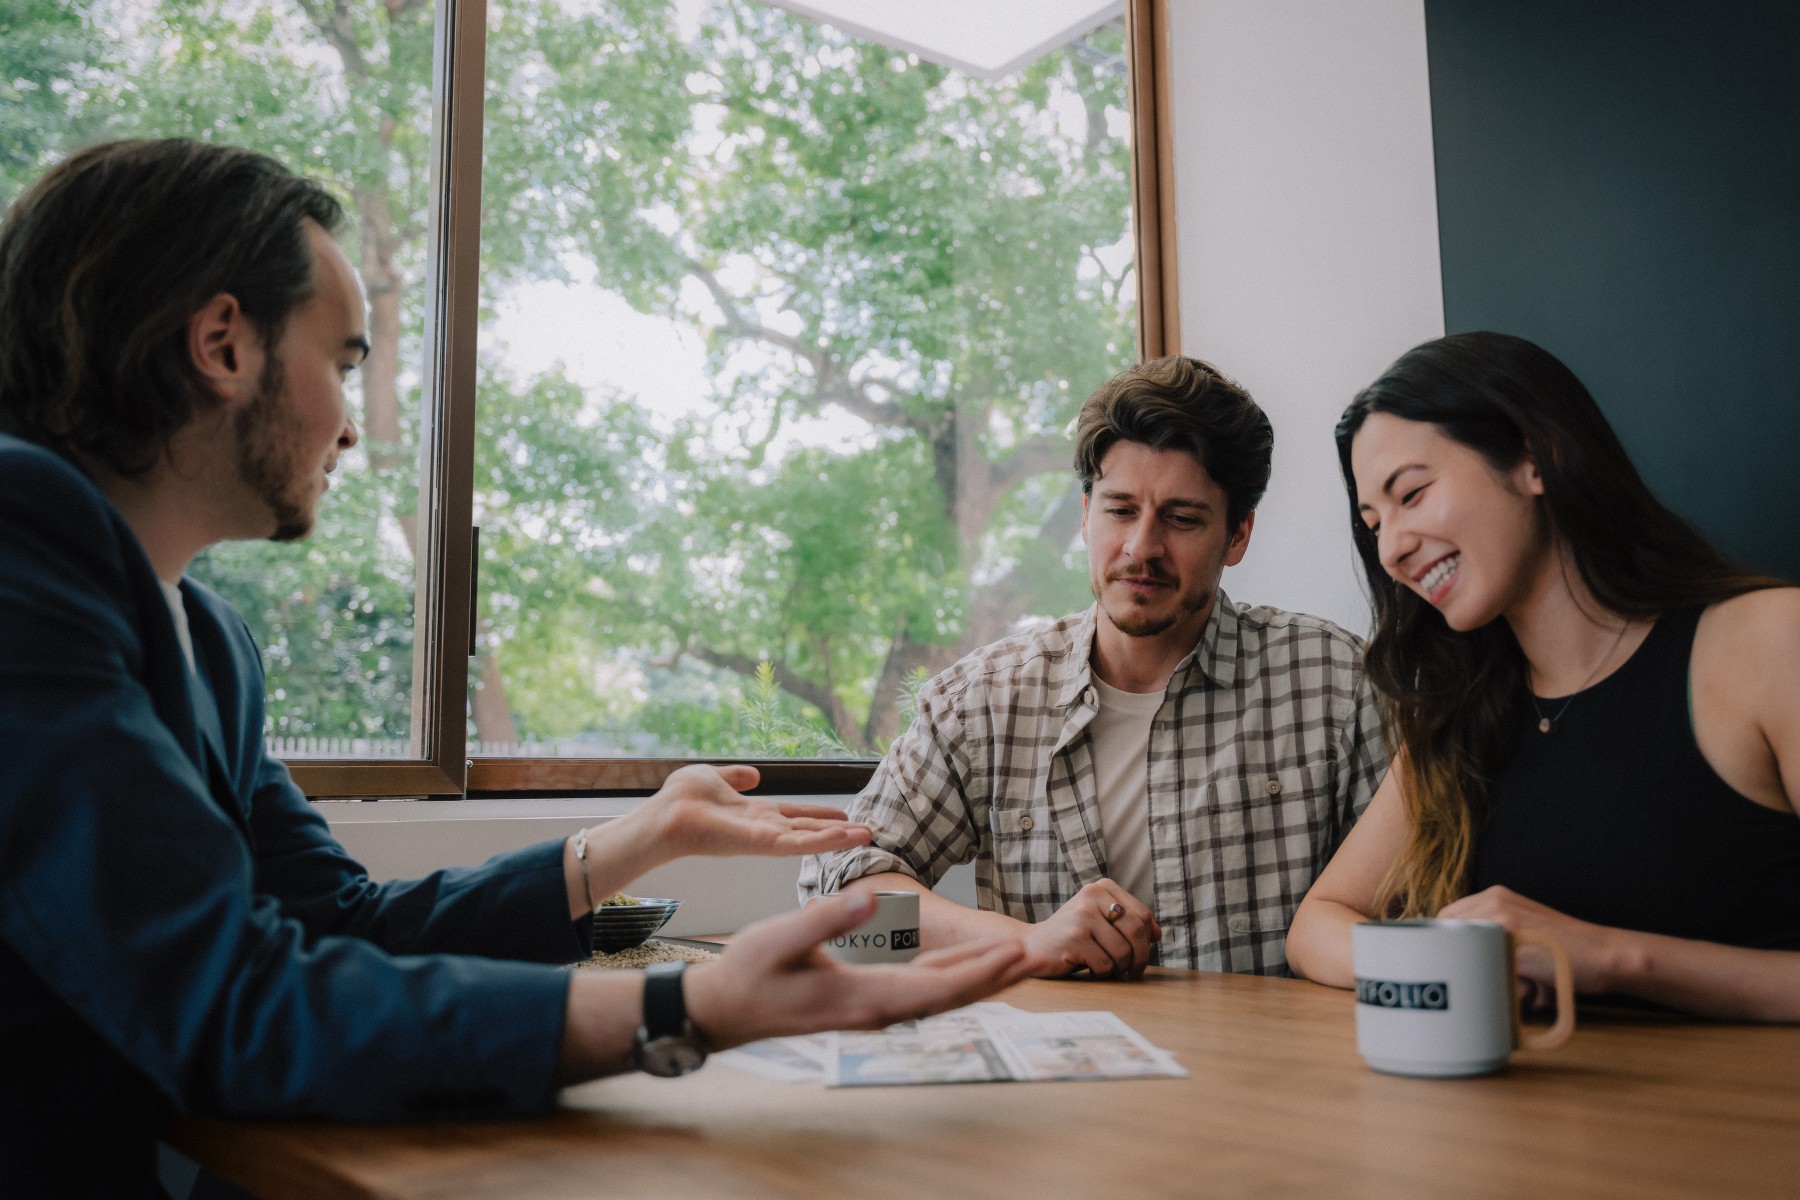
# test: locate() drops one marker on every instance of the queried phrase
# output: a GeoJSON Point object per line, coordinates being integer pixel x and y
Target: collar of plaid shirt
{"type": "Point", "coordinates": [1215, 655]}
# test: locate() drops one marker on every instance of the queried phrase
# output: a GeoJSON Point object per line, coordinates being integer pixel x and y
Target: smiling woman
{"type": "Point", "coordinates": [1593, 739]}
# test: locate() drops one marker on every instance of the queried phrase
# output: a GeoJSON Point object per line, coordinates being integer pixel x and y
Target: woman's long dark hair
{"type": "Point", "coordinates": [1453, 701]}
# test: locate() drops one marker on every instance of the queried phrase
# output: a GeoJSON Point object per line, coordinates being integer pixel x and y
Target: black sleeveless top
{"type": "Point", "coordinates": [1616, 817]}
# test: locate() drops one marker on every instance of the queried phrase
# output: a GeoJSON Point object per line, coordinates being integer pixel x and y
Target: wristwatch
{"type": "Point", "coordinates": [667, 1042]}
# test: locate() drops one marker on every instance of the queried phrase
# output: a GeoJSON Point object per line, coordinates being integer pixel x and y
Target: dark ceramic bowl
{"type": "Point", "coordinates": [621, 926]}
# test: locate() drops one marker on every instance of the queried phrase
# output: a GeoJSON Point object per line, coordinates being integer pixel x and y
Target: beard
{"type": "Point", "coordinates": [1134, 621]}
{"type": "Point", "coordinates": [267, 453]}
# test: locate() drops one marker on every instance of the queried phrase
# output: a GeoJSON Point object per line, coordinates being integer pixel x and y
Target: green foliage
{"type": "Point", "coordinates": [43, 47]}
{"type": "Point", "coordinates": [936, 262]}
{"type": "Point", "coordinates": [767, 728]}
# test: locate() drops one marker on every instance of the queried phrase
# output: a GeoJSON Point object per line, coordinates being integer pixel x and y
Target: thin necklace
{"type": "Point", "coordinates": [1548, 724]}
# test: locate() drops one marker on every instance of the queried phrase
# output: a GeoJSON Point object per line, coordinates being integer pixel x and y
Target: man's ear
{"type": "Point", "coordinates": [226, 349]}
{"type": "Point", "coordinates": [1086, 495]}
{"type": "Point", "coordinates": [1240, 540]}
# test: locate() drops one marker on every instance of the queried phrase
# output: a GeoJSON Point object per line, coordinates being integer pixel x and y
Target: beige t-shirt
{"type": "Point", "coordinates": [1120, 738]}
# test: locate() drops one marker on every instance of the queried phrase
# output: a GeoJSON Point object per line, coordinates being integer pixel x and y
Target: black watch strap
{"type": "Point", "coordinates": [665, 1008]}
{"type": "Point", "coordinates": [667, 1043]}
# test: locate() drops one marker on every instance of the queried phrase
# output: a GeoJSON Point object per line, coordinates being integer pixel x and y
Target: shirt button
{"type": "Point", "coordinates": [1026, 823]}
{"type": "Point", "coordinates": [1274, 787]}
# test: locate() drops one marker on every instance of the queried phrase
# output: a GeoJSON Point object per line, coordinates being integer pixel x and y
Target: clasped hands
{"type": "Point", "coordinates": [1104, 929]}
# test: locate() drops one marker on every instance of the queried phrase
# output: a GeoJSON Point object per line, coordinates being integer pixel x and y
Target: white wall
{"type": "Point", "coordinates": [1306, 215]}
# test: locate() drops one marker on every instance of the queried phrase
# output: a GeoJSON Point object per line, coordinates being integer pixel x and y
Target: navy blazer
{"type": "Point", "coordinates": [177, 924]}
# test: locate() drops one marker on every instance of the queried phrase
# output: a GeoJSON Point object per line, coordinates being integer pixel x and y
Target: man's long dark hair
{"type": "Point", "coordinates": [1454, 701]}
{"type": "Point", "coordinates": [103, 262]}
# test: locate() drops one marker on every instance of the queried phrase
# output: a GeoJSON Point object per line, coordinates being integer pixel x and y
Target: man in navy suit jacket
{"type": "Point", "coordinates": [177, 925]}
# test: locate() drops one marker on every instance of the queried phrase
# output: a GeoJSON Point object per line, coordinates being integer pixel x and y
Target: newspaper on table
{"type": "Point", "coordinates": [982, 1043]}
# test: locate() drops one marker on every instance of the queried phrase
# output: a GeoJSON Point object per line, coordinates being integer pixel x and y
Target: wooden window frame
{"type": "Point", "coordinates": [445, 569]}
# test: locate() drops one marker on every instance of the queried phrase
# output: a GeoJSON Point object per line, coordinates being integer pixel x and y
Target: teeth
{"type": "Point", "coordinates": [1434, 578]}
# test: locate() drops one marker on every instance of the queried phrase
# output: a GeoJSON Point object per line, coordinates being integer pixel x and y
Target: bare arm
{"type": "Point", "coordinates": [1729, 982]}
{"type": "Point", "coordinates": [775, 980]}
{"type": "Point", "coordinates": [1086, 932]}
{"type": "Point", "coordinates": [1318, 942]}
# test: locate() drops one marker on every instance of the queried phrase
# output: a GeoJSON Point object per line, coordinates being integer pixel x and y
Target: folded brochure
{"type": "Point", "coordinates": [981, 1043]}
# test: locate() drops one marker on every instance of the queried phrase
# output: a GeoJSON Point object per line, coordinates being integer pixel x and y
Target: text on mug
{"type": "Point", "coordinates": [1383, 994]}
{"type": "Point", "coordinates": [899, 939]}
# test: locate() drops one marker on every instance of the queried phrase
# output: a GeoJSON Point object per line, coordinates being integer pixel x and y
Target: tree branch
{"type": "Point", "coordinates": [332, 19]}
{"type": "Point", "coordinates": [1037, 456]}
{"type": "Point", "coordinates": [831, 385]}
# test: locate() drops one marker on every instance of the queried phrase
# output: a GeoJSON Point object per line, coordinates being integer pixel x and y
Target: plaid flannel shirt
{"type": "Point", "coordinates": [1267, 747]}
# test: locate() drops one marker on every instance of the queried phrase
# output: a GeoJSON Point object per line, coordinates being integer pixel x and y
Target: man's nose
{"type": "Point", "coordinates": [1145, 540]}
{"type": "Point", "coordinates": [347, 436]}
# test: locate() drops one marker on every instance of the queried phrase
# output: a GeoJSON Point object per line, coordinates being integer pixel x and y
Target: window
{"type": "Point", "coordinates": [749, 345]}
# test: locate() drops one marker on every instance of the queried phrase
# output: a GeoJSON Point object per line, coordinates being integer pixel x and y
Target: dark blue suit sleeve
{"type": "Point", "coordinates": [129, 889]}
{"type": "Point", "coordinates": [515, 906]}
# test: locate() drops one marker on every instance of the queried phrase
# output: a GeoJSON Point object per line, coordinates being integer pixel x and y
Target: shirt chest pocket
{"type": "Point", "coordinates": [1020, 822]}
{"type": "Point", "coordinates": [1030, 873]}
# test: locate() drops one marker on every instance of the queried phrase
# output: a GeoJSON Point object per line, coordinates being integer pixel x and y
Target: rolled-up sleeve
{"type": "Point", "coordinates": [917, 803]}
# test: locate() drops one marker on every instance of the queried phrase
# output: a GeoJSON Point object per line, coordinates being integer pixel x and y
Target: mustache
{"type": "Point", "coordinates": [1151, 570]}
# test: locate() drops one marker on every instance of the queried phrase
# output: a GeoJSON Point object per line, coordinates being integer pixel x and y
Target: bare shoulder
{"type": "Point", "coordinates": [1761, 627]}
{"type": "Point", "coordinates": [1745, 691]}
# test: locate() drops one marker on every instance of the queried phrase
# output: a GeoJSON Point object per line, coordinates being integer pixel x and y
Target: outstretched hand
{"type": "Point", "coordinates": [775, 979]}
{"type": "Point", "coordinates": [701, 810]}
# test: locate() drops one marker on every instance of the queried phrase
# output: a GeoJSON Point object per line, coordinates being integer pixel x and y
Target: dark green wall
{"type": "Point", "coordinates": [1619, 181]}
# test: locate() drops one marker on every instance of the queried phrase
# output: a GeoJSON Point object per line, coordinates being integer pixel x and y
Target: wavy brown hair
{"type": "Point", "coordinates": [1454, 702]}
{"type": "Point", "coordinates": [1179, 403]}
{"type": "Point", "coordinates": [104, 260]}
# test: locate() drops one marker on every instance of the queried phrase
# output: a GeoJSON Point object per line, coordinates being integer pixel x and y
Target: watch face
{"type": "Point", "coordinates": [670, 1056]}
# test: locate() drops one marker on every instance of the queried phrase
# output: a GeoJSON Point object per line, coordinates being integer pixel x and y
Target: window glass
{"type": "Point", "coordinates": [783, 333]}
{"type": "Point", "coordinates": [343, 92]}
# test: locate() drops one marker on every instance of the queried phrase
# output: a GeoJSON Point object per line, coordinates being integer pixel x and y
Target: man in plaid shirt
{"type": "Point", "coordinates": [1157, 779]}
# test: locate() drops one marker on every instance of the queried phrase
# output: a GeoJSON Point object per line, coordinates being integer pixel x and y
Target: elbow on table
{"type": "Point", "coordinates": [1309, 948]}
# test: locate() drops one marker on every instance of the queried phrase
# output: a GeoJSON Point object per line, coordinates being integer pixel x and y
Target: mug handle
{"type": "Point", "coordinates": [1558, 1033]}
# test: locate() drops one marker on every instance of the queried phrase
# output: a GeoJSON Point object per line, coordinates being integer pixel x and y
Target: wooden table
{"type": "Point", "coordinates": [1277, 1104]}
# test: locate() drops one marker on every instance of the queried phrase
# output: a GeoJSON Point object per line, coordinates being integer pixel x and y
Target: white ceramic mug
{"type": "Point", "coordinates": [1439, 997]}
{"type": "Point", "coordinates": [891, 935]}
